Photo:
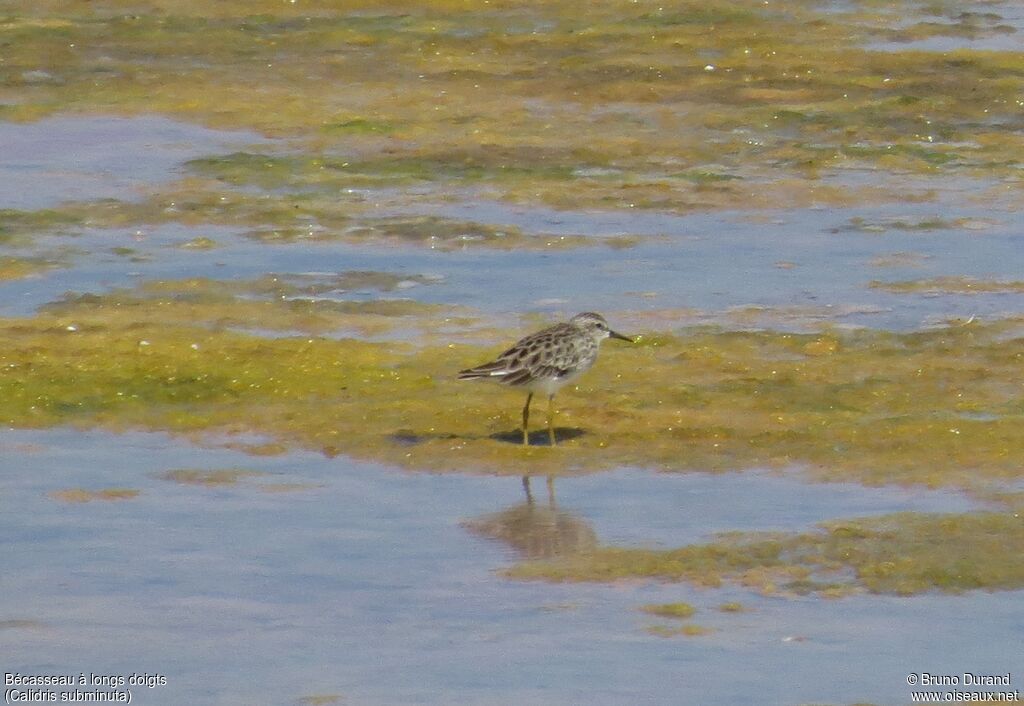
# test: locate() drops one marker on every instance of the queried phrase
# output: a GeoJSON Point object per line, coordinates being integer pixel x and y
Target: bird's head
{"type": "Point", "coordinates": [596, 326]}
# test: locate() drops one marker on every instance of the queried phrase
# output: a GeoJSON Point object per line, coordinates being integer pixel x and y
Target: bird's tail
{"type": "Point", "coordinates": [487, 370]}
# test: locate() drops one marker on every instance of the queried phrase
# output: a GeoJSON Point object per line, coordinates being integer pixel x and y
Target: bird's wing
{"type": "Point", "coordinates": [513, 366]}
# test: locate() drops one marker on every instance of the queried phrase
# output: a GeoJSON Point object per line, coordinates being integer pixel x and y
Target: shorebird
{"type": "Point", "coordinates": [545, 361]}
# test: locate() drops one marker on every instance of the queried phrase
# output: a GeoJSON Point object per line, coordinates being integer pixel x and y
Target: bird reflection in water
{"type": "Point", "coordinates": [537, 531]}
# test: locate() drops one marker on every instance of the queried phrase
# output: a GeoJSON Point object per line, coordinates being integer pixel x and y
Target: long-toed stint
{"type": "Point", "coordinates": [547, 360]}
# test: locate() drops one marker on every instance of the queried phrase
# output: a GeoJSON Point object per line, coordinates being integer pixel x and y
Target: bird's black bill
{"type": "Point", "coordinates": [619, 336]}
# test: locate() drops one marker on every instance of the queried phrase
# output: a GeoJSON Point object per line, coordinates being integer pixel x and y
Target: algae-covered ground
{"type": "Point", "coordinates": [941, 407]}
{"type": "Point", "coordinates": [19, 267]}
{"type": "Point", "coordinates": [950, 285]}
{"type": "Point", "coordinates": [899, 554]}
{"type": "Point", "coordinates": [631, 105]}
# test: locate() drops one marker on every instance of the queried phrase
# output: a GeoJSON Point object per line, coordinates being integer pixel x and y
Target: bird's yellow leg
{"type": "Point", "coordinates": [526, 420]}
{"type": "Point", "coordinates": [551, 418]}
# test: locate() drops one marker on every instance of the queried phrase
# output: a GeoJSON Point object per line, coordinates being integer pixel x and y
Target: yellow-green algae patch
{"type": "Point", "coordinates": [21, 624]}
{"type": "Point", "coordinates": [940, 407]}
{"type": "Point", "coordinates": [899, 259]}
{"type": "Point", "coordinates": [212, 478]}
{"type": "Point", "coordinates": [226, 477]}
{"type": "Point", "coordinates": [18, 226]}
{"type": "Point", "coordinates": [922, 225]}
{"type": "Point", "coordinates": [270, 303]}
{"type": "Point", "coordinates": [199, 243]}
{"type": "Point", "coordinates": [629, 105]}
{"type": "Point", "coordinates": [686, 630]}
{"type": "Point", "coordinates": [20, 267]}
{"type": "Point", "coordinates": [951, 285]}
{"type": "Point", "coordinates": [83, 495]}
{"type": "Point", "coordinates": [281, 488]}
{"type": "Point", "coordinates": [732, 607]}
{"type": "Point", "coordinates": [321, 699]}
{"type": "Point", "coordinates": [902, 554]}
{"type": "Point", "coordinates": [669, 610]}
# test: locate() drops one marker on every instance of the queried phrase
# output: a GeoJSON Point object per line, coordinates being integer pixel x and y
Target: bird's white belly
{"type": "Point", "coordinates": [549, 386]}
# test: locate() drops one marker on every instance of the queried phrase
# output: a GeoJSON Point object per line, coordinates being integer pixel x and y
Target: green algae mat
{"type": "Point", "coordinates": [941, 407]}
{"type": "Point", "coordinates": [631, 105]}
{"type": "Point", "coordinates": [900, 554]}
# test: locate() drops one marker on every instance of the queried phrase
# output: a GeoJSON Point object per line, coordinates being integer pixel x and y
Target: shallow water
{"type": "Point", "coordinates": [329, 576]}
{"type": "Point", "coordinates": [93, 157]}
{"type": "Point", "coordinates": [801, 267]}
